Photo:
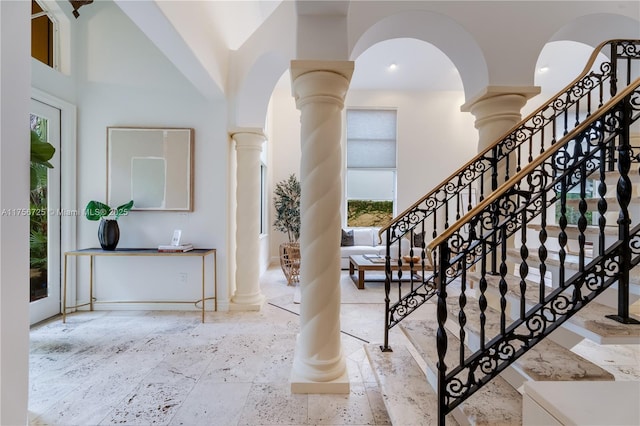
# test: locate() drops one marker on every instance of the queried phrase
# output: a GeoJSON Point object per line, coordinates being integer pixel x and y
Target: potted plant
{"type": "Point", "coordinates": [287, 205]}
{"type": "Point", "coordinates": [108, 231]}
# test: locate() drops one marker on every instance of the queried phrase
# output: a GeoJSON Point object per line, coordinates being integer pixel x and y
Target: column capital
{"type": "Point", "coordinates": [322, 81]}
{"type": "Point", "coordinates": [489, 92]}
{"type": "Point", "coordinates": [300, 67]}
{"type": "Point", "coordinates": [248, 138]}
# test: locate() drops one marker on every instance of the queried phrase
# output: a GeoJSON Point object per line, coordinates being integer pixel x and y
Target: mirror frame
{"type": "Point", "coordinates": [162, 160]}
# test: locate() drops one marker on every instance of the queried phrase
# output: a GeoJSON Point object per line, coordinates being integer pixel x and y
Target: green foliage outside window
{"type": "Point", "coordinates": [367, 213]}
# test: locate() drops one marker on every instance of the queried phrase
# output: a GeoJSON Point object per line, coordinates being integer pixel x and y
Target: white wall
{"type": "Point", "coordinates": [434, 139]}
{"type": "Point", "coordinates": [121, 79]}
{"type": "Point", "coordinates": [284, 153]}
{"type": "Point", "coordinates": [14, 190]}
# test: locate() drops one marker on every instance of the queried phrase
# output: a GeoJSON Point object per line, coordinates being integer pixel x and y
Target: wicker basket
{"type": "Point", "coordinates": [290, 261]}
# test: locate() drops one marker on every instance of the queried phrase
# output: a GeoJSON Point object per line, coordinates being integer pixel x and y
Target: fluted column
{"type": "Point", "coordinates": [319, 88]}
{"type": "Point", "coordinates": [497, 110]}
{"type": "Point", "coordinates": [248, 296]}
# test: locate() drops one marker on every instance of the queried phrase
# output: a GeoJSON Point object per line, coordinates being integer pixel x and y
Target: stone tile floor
{"type": "Point", "coordinates": [139, 368]}
{"type": "Point", "coordinates": [166, 367]}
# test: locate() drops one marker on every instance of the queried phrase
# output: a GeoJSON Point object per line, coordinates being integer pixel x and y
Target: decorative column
{"type": "Point", "coordinates": [497, 110]}
{"type": "Point", "coordinates": [319, 88]}
{"type": "Point", "coordinates": [248, 296]}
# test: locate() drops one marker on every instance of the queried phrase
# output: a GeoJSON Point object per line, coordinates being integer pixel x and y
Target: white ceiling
{"type": "Point", "coordinates": [420, 65]}
{"type": "Point", "coordinates": [237, 20]}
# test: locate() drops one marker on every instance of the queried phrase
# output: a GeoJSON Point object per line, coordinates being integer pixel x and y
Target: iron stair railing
{"type": "Point", "coordinates": [600, 142]}
{"type": "Point", "coordinates": [472, 183]}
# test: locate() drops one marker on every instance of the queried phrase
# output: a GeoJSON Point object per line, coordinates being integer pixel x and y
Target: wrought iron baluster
{"type": "Point", "coordinates": [518, 158]}
{"type": "Point", "coordinates": [623, 194]}
{"type": "Point", "coordinates": [482, 300]}
{"type": "Point", "coordinates": [462, 302]}
{"type": "Point", "coordinates": [446, 214]}
{"type": "Point", "coordinates": [562, 236]}
{"type": "Point", "coordinates": [441, 334]}
{"type": "Point", "coordinates": [582, 220]}
{"type": "Point", "coordinates": [524, 267]}
{"type": "Point", "coordinates": [602, 202]}
{"type": "Point", "coordinates": [613, 88]}
{"type": "Point", "coordinates": [434, 234]}
{"type": "Point", "coordinates": [542, 248]}
{"type": "Point", "coordinates": [503, 282]}
{"type": "Point", "coordinates": [387, 290]}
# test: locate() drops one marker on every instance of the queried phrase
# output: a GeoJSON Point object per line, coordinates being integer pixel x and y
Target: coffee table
{"type": "Point", "coordinates": [369, 263]}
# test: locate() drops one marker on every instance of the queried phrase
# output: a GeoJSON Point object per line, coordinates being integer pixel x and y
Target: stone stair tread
{"type": "Point", "coordinates": [590, 322]}
{"type": "Point", "coordinates": [603, 330]}
{"type": "Point", "coordinates": [495, 403]}
{"type": "Point", "coordinates": [590, 230]}
{"type": "Point", "coordinates": [571, 263]}
{"type": "Point", "coordinates": [546, 361]}
{"type": "Point", "coordinates": [407, 395]}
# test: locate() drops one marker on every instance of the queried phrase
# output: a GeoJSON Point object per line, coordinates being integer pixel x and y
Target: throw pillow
{"type": "Point", "coordinates": [418, 239]}
{"type": "Point", "coordinates": [347, 238]}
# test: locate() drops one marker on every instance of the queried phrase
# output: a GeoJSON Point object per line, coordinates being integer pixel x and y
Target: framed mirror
{"type": "Point", "coordinates": [151, 166]}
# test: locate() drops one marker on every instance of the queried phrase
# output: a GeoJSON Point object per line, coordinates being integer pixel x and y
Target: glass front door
{"type": "Point", "coordinates": [44, 216]}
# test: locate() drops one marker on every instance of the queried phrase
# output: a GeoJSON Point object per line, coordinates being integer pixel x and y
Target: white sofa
{"type": "Point", "coordinates": [367, 241]}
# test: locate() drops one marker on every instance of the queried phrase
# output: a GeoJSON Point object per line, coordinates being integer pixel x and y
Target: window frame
{"type": "Point", "coordinates": [394, 170]}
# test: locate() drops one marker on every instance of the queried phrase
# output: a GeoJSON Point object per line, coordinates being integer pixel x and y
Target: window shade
{"type": "Point", "coordinates": [371, 139]}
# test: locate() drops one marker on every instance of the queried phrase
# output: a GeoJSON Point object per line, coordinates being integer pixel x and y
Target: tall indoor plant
{"type": "Point", "coordinates": [108, 231]}
{"type": "Point", "coordinates": [286, 200]}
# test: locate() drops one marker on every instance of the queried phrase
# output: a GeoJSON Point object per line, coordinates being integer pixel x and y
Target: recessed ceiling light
{"type": "Point", "coordinates": [393, 66]}
{"type": "Point", "coordinates": [543, 70]}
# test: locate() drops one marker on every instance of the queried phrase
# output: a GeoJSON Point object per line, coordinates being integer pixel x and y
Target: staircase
{"type": "Point", "coordinates": [525, 237]}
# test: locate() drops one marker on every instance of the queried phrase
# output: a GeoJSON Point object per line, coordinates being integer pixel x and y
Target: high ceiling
{"type": "Point", "coordinates": [418, 65]}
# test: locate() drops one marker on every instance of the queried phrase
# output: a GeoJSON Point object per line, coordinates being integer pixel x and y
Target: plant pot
{"type": "Point", "coordinates": [290, 261]}
{"type": "Point", "coordinates": [108, 234]}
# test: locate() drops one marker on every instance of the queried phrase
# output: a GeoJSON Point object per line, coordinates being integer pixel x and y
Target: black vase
{"type": "Point", "coordinates": [108, 234]}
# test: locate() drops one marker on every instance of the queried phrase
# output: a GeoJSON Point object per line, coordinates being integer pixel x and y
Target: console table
{"type": "Point", "coordinates": [93, 252]}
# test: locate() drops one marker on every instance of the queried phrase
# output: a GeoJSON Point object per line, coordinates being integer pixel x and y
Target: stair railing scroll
{"type": "Point", "coordinates": [600, 141]}
{"type": "Point", "coordinates": [473, 182]}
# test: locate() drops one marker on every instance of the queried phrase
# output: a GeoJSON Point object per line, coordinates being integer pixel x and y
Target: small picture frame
{"type": "Point", "coordinates": [177, 237]}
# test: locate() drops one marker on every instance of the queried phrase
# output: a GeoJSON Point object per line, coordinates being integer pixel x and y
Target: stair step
{"type": "Point", "coordinates": [546, 361]}
{"type": "Point", "coordinates": [407, 395]}
{"type": "Point", "coordinates": [586, 403]}
{"type": "Point", "coordinates": [592, 203]}
{"type": "Point", "coordinates": [590, 322]}
{"type": "Point", "coordinates": [571, 264]}
{"type": "Point", "coordinates": [496, 403]}
{"type": "Point", "coordinates": [572, 230]}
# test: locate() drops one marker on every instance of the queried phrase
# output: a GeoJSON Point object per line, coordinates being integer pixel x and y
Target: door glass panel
{"type": "Point", "coordinates": [38, 218]}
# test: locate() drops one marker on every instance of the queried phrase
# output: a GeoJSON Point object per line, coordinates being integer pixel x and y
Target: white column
{"type": "Point", "coordinates": [248, 296]}
{"type": "Point", "coordinates": [15, 87]}
{"type": "Point", "coordinates": [497, 110]}
{"type": "Point", "coordinates": [319, 88]}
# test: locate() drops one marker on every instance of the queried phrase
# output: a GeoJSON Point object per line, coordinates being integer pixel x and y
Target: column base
{"type": "Point", "coordinates": [305, 386]}
{"type": "Point", "coordinates": [254, 305]}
